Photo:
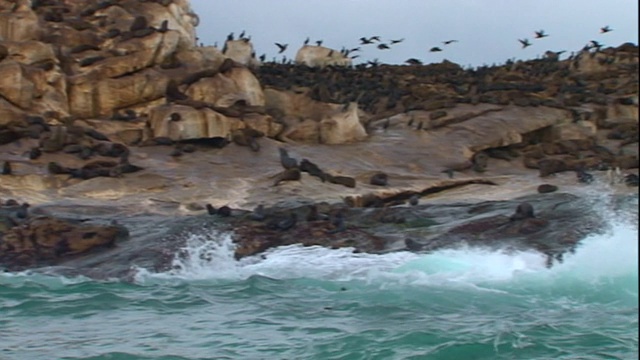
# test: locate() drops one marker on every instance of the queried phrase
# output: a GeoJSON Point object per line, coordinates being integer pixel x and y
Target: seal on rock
{"type": "Point", "coordinates": [523, 211]}
{"type": "Point", "coordinates": [379, 179]}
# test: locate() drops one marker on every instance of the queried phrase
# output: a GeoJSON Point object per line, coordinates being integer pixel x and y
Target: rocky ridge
{"type": "Point", "coordinates": [95, 90]}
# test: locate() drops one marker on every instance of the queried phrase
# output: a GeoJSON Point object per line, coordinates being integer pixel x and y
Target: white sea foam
{"type": "Point", "coordinates": [600, 257]}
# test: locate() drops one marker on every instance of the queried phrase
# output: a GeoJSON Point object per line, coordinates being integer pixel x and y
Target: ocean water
{"type": "Point", "coordinates": [314, 303]}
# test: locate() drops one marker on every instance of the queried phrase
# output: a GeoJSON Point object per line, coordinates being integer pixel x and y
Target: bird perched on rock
{"type": "Point", "coordinates": [524, 42]}
{"type": "Point", "coordinates": [605, 29]}
{"type": "Point", "coordinates": [306, 41]}
{"type": "Point", "coordinates": [282, 47]}
{"type": "Point", "coordinates": [287, 161]}
{"type": "Point", "coordinates": [413, 61]}
{"type": "Point", "coordinates": [540, 34]}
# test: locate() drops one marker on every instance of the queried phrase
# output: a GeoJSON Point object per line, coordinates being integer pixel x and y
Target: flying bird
{"type": "Point", "coordinates": [383, 46]}
{"type": "Point", "coordinates": [594, 44]}
{"type": "Point", "coordinates": [282, 47]}
{"type": "Point", "coordinates": [540, 34]}
{"type": "Point", "coordinates": [605, 29]}
{"type": "Point", "coordinates": [524, 43]}
{"type": "Point", "coordinates": [396, 41]}
{"type": "Point", "coordinates": [435, 49]}
{"type": "Point", "coordinates": [449, 42]}
{"type": "Point", "coordinates": [365, 41]}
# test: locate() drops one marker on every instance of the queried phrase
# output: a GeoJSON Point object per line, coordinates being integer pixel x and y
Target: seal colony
{"type": "Point", "coordinates": [116, 95]}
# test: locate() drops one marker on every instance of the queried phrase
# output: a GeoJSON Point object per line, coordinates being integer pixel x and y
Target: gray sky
{"type": "Point", "coordinates": [487, 30]}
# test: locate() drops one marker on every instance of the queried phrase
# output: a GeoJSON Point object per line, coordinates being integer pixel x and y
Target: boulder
{"type": "Point", "coordinates": [224, 89]}
{"type": "Point", "coordinates": [241, 51]}
{"type": "Point", "coordinates": [45, 240]}
{"type": "Point", "coordinates": [320, 56]}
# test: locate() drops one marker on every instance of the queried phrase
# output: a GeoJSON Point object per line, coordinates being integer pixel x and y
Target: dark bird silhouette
{"type": "Point", "coordinates": [210, 209]}
{"type": "Point", "coordinates": [414, 199]}
{"type": "Point", "coordinates": [306, 41]}
{"type": "Point", "coordinates": [448, 42]}
{"type": "Point", "coordinates": [524, 42]}
{"type": "Point", "coordinates": [413, 61]}
{"type": "Point", "coordinates": [374, 62]}
{"type": "Point", "coordinates": [435, 49]}
{"type": "Point", "coordinates": [287, 161]}
{"type": "Point", "coordinates": [605, 29]}
{"type": "Point", "coordinates": [319, 43]}
{"type": "Point", "coordinates": [241, 35]}
{"type": "Point", "coordinates": [396, 41]}
{"type": "Point", "coordinates": [282, 47]}
{"type": "Point", "coordinates": [262, 57]}
{"type": "Point", "coordinates": [376, 38]}
{"type": "Point", "coordinates": [365, 41]}
{"type": "Point", "coordinates": [594, 44]}
{"type": "Point", "coordinates": [540, 34]}
{"type": "Point", "coordinates": [230, 37]}
{"type": "Point", "coordinates": [383, 46]}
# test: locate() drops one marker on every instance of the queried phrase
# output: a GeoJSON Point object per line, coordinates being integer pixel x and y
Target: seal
{"type": "Point", "coordinates": [292, 174]}
{"type": "Point", "coordinates": [287, 161]}
{"type": "Point", "coordinates": [523, 211]}
{"type": "Point", "coordinates": [379, 179]}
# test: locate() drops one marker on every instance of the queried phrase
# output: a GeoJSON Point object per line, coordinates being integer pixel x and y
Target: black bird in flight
{"type": "Point", "coordinates": [396, 41]}
{"type": "Point", "coordinates": [605, 29]}
{"type": "Point", "coordinates": [282, 47]}
{"type": "Point", "coordinates": [540, 34]}
{"type": "Point", "coordinates": [435, 49]}
{"type": "Point", "coordinates": [383, 46]}
{"type": "Point", "coordinates": [594, 44]}
{"type": "Point", "coordinates": [524, 43]}
{"type": "Point", "coordinates": [376, 38]}
{"type": "Point", "coordinates": [413, 61]}
{"type": "Point", "coordinates": [449, 42]}
{"type": "Point", "coordinates": [365, 41]}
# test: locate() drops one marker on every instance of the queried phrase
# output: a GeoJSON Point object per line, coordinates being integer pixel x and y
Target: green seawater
{"type": "Point", "coordinates": [315, 303]}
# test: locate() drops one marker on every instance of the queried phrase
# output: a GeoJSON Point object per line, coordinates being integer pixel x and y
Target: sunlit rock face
{"type": "Point", "coordinates": [320, 56]}
{"type": "Point", "coordinates": [241, 51]}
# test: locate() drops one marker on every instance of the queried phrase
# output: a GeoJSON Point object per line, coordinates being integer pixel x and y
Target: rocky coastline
{"type": "Point", "coordinates": [119, 136]}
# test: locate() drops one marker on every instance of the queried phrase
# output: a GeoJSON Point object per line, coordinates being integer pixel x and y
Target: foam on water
{"type": "Point", "coordinates": [600, 260]}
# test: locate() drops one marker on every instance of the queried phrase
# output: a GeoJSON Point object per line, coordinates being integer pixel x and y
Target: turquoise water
{"type": "Point", "coordinates": [315, 303]}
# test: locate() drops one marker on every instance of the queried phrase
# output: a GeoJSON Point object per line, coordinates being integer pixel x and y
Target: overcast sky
{"type": "Point", "coordinates": [487, 30]}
